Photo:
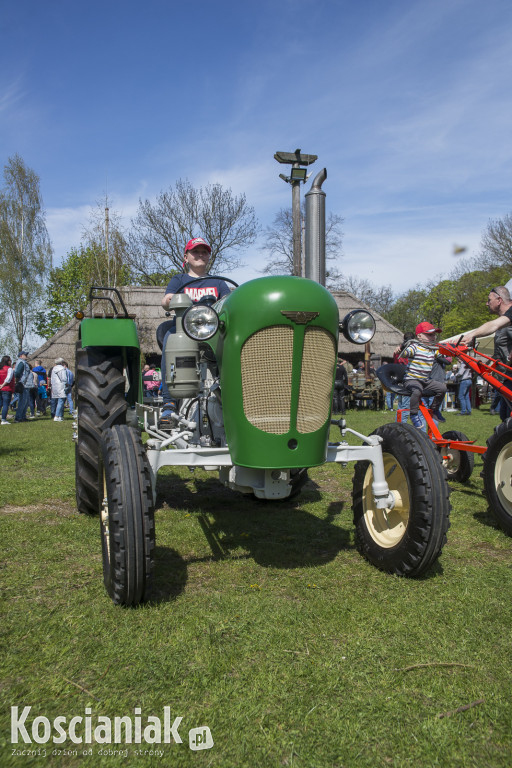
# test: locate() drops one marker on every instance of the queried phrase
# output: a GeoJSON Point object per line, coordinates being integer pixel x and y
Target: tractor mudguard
{"type": "Point", "coordinates": [108, 332]}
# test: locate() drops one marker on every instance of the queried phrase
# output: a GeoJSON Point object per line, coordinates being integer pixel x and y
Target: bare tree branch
{"type": "Point", "coordinates": [161, 229]}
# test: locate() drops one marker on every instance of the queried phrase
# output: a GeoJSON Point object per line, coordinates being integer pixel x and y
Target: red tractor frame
{"type": "Point", "coordinates": [458, 451]}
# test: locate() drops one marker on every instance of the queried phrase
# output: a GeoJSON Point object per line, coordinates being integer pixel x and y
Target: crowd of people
{"type": "Point", "coordinates": [30, 391]}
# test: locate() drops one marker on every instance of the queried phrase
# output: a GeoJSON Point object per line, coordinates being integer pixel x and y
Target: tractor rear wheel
{"type": "Point", "coordinates": [127, 516]}
{"type": "Point", "coordinates": [497, 474]}
{"type": "Point", "coordinates": [407, 539]}
{"type": "Point", "coordinates": [459, 464]}
{"type": "Point", "coordinates": [100, 387]}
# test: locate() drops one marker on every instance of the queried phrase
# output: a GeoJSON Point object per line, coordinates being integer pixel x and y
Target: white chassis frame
{"type": "Point", "coordinates": [162, 451]}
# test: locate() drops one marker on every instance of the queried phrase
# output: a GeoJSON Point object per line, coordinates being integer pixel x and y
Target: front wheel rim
{"type": "Point", "coordinates": [503, 477]}
{"type": "Point", "coordinates": [387, 527]}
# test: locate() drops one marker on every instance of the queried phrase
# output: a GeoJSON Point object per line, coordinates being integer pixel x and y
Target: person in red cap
{"type": "Point", "coordinates": [420, 355]}
{"type": "Point", "coordinates": [196, 283]}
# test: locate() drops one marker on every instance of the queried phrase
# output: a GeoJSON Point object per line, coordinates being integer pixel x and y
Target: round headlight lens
{"type": "Point", "coordinates": [200, 322]}
{"type": "Point", "coordinates": [359, 326]}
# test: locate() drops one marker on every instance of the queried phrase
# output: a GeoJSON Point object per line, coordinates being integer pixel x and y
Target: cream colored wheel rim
{"type": "Point", "coordinates": [387, 526]}
{"type": "Point", "coordinates": [503, 478]}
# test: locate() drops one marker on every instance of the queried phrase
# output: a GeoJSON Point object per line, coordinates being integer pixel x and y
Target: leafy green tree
{"type": "Point", "coordinates": [25, 249]}
{"type": "Point", "coordinates": [406, 312]}
{"type": "Point", "coordinates": [69, 286]}
{"type": "Point", "coordinates": [439, 300]}
{"type": "Point", "coordinates": [470, 291]}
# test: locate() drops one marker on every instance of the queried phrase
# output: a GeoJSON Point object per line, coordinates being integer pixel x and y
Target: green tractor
{"type": "Point", "coordinates": [253, 375]}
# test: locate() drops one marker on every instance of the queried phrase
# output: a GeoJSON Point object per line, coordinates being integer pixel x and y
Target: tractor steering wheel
{"type": "Point", "coordinates": [168, 324]}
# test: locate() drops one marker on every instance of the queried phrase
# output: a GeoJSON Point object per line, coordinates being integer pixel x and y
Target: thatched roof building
{"type": "Point", "coordinates": [144, 304]}
{"type": "Point", "coordinates": [386, 338]}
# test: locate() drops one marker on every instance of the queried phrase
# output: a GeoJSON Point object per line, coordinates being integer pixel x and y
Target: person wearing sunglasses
{"type": "Point", "coordinates": [499, 303]}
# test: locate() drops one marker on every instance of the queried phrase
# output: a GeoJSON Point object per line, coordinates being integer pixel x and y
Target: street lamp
{"type": "Point", "coordinates": [297, 175]}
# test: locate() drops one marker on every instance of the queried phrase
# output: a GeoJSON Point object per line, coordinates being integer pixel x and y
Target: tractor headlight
{"type": "Point", "coordinates": [200, 322]}
{"type": "Point", "coordinates": [358, 326]}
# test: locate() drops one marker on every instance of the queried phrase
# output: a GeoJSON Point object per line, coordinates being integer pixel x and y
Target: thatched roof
{"type": "Point", "coordinates": [145, 305]}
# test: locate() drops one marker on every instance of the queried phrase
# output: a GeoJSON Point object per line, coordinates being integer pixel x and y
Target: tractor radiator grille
{"type": "Point", "coordinates": [267, 378]}
{"type": "Point", "coordinates": [318, 362]}
{"type": "Point", "coordinates": [266, 362]}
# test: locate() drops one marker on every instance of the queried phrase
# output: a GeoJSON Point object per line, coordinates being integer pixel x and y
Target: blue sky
{"type": "Point", "coordinates": [406, 103]}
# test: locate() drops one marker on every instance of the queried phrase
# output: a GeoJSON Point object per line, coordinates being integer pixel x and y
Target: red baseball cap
{"type": "Point", "coordinates": [426, 328]}
{"type": "Point", "coordinates": [195, 242]}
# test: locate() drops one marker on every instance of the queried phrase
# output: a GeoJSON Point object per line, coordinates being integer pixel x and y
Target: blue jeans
{"type": "Point", "coordinates": [390, 399]}
{"type": "Point", "coordinates": [404, 401]}
{"type": "Point", "coordinates": [464, 398]}
{"type": "Point", "coordinates": [59, 409]}
{"type": "Point", "coordinates": [6, 400]}
{"type": "Point", "coordinates": [70, 404]}
{"type": "Point", "coordinates": [504, 407]}
{"type": "Point", "coordinates": [21, 409]}
{"type": "Point", "coordinates": [32, 392]}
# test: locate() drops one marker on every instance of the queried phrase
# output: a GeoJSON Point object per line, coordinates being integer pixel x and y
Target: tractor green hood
{"type": "Point", "coordinates": [277, 349]}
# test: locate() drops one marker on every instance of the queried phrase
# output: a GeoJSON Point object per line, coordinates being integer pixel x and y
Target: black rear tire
{"type": "Point", "coordinates": [101, 403]}
{"type": "Point", "coordinates": [497, 475]}
{"type": "Point", "coordinates": [459, 465]}
{"type": "Point", "coordinates": [127, 517]}
{"type": "Point", "coordinates": [407, 539]}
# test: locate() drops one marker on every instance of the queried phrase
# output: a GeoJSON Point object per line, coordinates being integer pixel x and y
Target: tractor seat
{"type": "Point", "coordinates": [391, 377]}
{"type": "Point", "coordinates": [162, 329]}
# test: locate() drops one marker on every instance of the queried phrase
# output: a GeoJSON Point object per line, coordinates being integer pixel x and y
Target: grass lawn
{"type": "Point", "coordinates": [267, 626]}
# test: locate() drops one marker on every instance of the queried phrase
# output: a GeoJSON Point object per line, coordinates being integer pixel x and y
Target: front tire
{"type": "Point", "coordinates": [497, 474]}
{"type": "Point", "coordinates": [101, 403]}
{"type": "Point", "coordinates": [407, 539]}
{"type": "Point", "coordinates": [459, 465]}
{"type": "Point", "coordinates": [127, 517]}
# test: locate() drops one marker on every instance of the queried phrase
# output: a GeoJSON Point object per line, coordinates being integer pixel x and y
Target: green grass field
{"type": "Point", "coordinates": [267, 626]}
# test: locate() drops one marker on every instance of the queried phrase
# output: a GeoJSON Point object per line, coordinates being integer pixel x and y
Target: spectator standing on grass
{"type": "Point", "coordinates": [41, 388]}
{"type": "Point", "coordinates": [464, 381]}
{"type": "Point", "coordinates": [59, 382]}
{"type": "Point", "coordinates": [420, 355]}
{"type": "Point", "coordinates": [69, 389]}
{"type": "Point", "coordinates": [42, 398]}
{"type": "Point", "coordinates": [41, 372]}
{"type": "Point", "coordinates": [145, 379]}
{"type": "Point", "coordinates": [23, 377]}
{"type": "Point", "coordinates": [50, 400]}
{"type": "Point", "coordinates": [6, 385]}
{"type": "Point", "coordinates": [32, 393]}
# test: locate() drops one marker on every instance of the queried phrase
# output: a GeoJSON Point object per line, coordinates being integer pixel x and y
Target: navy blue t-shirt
{"type": "Point", "coordinates": [198, 286]}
